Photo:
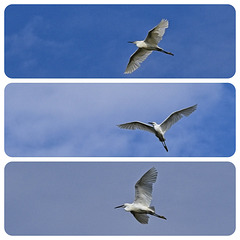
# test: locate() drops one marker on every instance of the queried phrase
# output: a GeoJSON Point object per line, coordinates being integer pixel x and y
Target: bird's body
{"type": "Point", "coordinates": [146, 46]}
{"type": "Point", "coordinates": [136, 207]}
{"type": "Point", "coordinates": [160, 129]}
{"type": "Point", "coordinates": [143, 196]}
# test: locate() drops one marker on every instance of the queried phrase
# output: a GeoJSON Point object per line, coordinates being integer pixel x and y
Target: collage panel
{"type": "Point", "coordinates": [83, 198]}
{"type": "Point", "coordinates": [91, 41]}
{"type": "Point", "coordinates": [98, 120]}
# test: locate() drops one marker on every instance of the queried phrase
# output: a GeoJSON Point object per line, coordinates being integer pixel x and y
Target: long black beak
{"type": "Point", "coordinates": [150, 123]}
{"type": "Point", "coordinates": [119, 206]}
{"type": "Point", "coordinates": [130, 42]}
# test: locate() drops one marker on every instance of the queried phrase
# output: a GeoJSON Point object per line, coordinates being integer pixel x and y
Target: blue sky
{"type": "Point", "coordinates": [79, 198]}
{"type": "Point", "coordinates": [80, 119]}
{"type": "Point", "coordinates": [78, 41]}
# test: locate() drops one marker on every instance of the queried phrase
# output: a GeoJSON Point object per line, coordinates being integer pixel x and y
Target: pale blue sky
{"type": "Point", "coordinates": [80, 119]}
{"type": "Point", "coordinates": [91, 41]}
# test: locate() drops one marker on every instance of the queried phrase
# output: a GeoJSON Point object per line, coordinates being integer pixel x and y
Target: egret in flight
{"type": "Point", "coordinates": [160, 129]}
{"type": "Point", "coordinates": [146, 46]}
{"type": "Point", "coordinates": [143, 197]}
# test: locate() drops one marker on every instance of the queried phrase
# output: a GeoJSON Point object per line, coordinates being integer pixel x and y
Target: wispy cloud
{"type": "Point", "coordinates": [84, 41]}
{"type": "Point", "coordinates": [81, 119]}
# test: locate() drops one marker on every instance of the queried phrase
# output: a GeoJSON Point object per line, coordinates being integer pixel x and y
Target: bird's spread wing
{"type": "Point", "coordinates": [142, 218]}
{"type": "Point", "coordinates": [137, 57]}
{"type": "Point", "coordinates": [175, 116]}
{"type": "Point", "coordinates": [143, 187]}
{"type": "Point", "coordinates": [137, 125]}
{"type": "Point", "coordinates": [155, 35]}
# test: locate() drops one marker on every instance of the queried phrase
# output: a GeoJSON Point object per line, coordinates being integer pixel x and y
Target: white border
{"type": "Point", "coordinates": [4, 80]}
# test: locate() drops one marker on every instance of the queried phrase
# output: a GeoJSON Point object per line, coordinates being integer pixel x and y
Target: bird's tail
{"type": "Point", "coordinates": [165, 146]}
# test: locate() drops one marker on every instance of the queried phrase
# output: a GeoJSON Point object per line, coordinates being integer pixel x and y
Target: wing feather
{"type": "Point", "coordinates": [142, 218]}
{"type": "Point", "coordinates": [155, 35]}
{"type": "Point", "coordinates": [143, 187]}
{"type": "Point", "coordinates": [176, 116]}
{"type": "Point", "coordinates": [136, 59]}
{"type": "Point", "coordinates": [137, 125]}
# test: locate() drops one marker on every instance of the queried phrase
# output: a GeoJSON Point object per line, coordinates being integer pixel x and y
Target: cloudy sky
{"type": "Point", "coordinates": [79, 198]}
{"type": "Point", "coordinates": [91, 41]}
{"type": "Point", "coordinates": [80, 119]}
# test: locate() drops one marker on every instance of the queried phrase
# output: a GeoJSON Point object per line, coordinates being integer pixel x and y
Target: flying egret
{"type": "Point", "coordinates": [146, 46]}
{"type": "Point", "coordinates": [143, 196]}
{"type": "Point", "coordinates": [160, 129]}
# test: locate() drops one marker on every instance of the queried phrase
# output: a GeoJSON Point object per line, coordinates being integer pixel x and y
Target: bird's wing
{"type": "Point", "coordinates": [175, 116]}
{"type": "Point", "coordinates": [137, 125]}
{"type": "Point", "coordinates": [155, 35]}
{"type": "Point", "coordinates": [142, 218]}
{"type": "Point", "coordinates": [143, 187]}
{"type": "Point", "coordinates": [136, 58]}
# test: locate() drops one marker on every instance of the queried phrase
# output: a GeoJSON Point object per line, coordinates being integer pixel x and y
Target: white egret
{"type": "Point", "coordinates": [160, 129]}
{"type": "Point", "coordinates": [146, 46]}
{"type": "Point", "coordinates": [143, 197]}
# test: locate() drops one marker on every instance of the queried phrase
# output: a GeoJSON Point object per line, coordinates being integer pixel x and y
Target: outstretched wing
{"type": "Point", "coordinates": [142, 218]}
{"type": "Point", "coordinates": [155, 35]}
{"type": "Point", "coordinates": [176, 116]}
{"type": "Point", "coordinates": [143, 187]}
{"type": "Point", "coordinates": [137, 57]}
{"type": "Point", "coordinates": [137, 125]}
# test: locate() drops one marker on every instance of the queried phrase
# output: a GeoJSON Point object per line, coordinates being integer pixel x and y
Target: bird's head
{"type": "Point", "coordinates": [152, 123]}
{"type": "Point", "coordinates": [127, 206]}
{"type": "Point", "coordinates": [134, 42]}
{"type": "Point", "coordinates": [119, 206]}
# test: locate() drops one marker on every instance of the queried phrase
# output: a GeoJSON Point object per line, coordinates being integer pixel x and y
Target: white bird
{"type": "Point", "coordinates": [160, 129]}
{"type": "Point", "coordinates": [146, 46]}
{"type": "Point", "coordinates": [143, 197]}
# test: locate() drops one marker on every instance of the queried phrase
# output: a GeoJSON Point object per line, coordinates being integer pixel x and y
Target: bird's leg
{"type": "Point", "coordinates": [168, 53]}
{"type": "Point", "coordinates": [165, 146]}
{"type": "Point", "coordinates": [161, 50]}
{"type": "Point", "coordinates": [156, 215]}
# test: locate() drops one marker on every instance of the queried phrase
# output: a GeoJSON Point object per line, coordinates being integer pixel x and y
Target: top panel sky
{"type": "Point", "coordinates": [91, 41]}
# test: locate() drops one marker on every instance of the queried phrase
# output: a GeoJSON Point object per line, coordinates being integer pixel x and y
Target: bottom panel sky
{"type": "Point", "coordinates": [66, 198]}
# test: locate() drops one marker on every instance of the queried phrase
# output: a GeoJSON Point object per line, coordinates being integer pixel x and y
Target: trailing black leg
{"type": "Point", "coordinates": [165, 146]}
{"type": "Point", "coordinates": [161, 50]}
{"type": "Point", "coordinates": [156, 215]}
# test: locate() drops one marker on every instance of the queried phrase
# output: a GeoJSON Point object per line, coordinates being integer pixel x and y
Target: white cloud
{"type": "Point", "coordinates": [81, 119]}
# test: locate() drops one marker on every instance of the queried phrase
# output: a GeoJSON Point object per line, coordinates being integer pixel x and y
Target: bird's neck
{"type": "Point", "coordinates": [128, 207]}
{"type": "Point", "coordinates": [140, 44]}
